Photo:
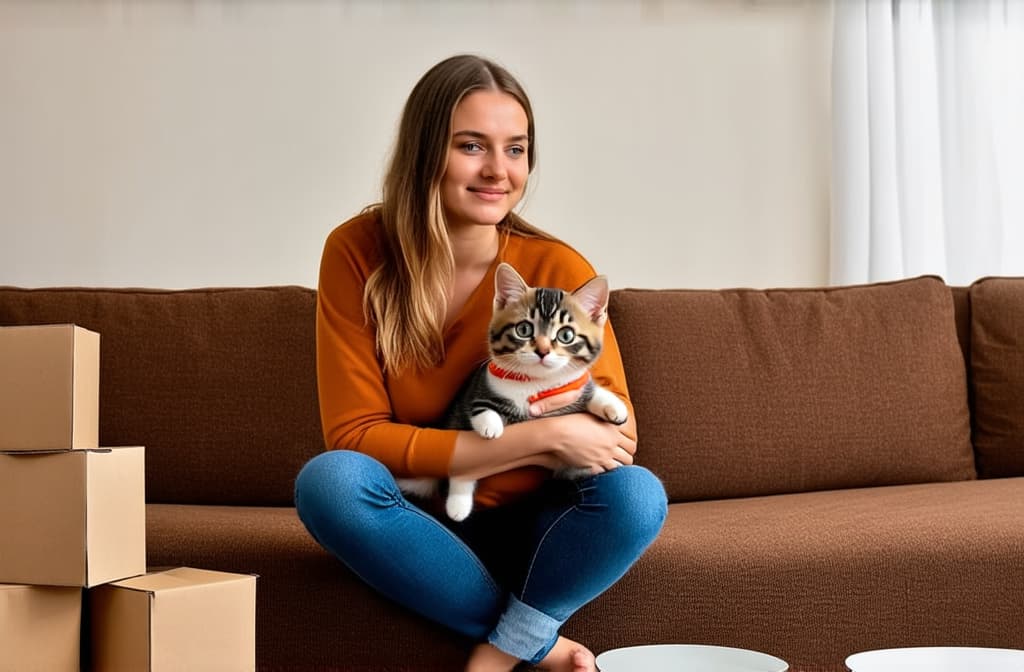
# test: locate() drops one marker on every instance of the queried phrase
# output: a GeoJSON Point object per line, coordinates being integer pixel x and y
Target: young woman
{"type": "Point", "coordinates": [405, 299]}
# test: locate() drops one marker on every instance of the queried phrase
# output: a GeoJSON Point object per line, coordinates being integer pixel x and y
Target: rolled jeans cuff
{"type": "Point", "coordinates": [524, 632]}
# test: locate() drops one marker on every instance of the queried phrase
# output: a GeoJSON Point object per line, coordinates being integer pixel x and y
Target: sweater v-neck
{"type": "Point", "coordinates": [482, 292]}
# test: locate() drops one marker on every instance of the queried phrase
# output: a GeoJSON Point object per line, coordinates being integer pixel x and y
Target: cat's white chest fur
{"type": "Point", "coordinates": [521, 393]}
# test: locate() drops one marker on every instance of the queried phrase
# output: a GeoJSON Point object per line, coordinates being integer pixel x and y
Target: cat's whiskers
{"type": "Point", "coordinates": [529, 363]}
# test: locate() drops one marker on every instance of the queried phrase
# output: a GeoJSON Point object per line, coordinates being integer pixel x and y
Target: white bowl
{"type": "Point", "coordinates": [687, 658]}
{"type": "Point", "coordinates": [938, 659]}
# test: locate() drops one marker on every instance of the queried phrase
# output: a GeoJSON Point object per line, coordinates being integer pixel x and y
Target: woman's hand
{"type": "Point", "coordinates": [583, 440]}
{"type": "Point", "coordinates": [574, 440]}
{"type": "Point", "coordinates": [555, 402]}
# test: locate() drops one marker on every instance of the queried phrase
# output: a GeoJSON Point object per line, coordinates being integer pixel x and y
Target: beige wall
{"type": "Point", "coordinates": [195, 143]}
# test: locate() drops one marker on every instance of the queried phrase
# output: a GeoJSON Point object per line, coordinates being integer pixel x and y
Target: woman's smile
{"type": "Point", "coordinates": [488, 193]}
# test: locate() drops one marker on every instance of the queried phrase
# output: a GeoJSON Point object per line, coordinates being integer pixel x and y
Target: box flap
{"type": "Point", "coordinates": [52, 451]}
{"type": "Point", "coordinates": [179, 578]}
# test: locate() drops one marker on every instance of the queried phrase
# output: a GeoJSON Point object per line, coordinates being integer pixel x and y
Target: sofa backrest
{"type": "Point", "coordinates": [754, 392]}
{"type": "Point", "coordinates": [737, 392]}
{"type": "Point", "coordinates": [997, 375]}
{"type": "Point", "coordinates": [219, 385]}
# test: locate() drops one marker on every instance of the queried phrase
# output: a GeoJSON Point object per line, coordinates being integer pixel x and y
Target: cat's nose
{"type": "Point", "coordinates": [543, 347]}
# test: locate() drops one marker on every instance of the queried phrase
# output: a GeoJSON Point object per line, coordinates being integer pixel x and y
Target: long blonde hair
{"type": "Point", "coordinates": [406, 297]}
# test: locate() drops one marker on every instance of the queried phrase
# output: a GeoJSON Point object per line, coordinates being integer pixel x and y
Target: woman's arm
{"type": "Point", "coordinates": [355, 404]}
{"type": "Point", "coordinates": [576, 440]}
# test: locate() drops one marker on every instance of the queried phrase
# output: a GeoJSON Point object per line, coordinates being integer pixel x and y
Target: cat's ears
{"type": "Point", "coordinates": [509, 286]}
{"type": "Point", "coordinates": [593, 297]}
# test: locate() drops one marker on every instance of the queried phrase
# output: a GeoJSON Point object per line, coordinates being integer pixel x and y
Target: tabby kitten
{"type": "Point", "coordinates": [542, 342]}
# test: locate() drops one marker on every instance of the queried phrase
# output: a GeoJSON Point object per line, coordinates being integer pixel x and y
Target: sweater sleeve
{"type": "Point", "coordinates": [355, 408]}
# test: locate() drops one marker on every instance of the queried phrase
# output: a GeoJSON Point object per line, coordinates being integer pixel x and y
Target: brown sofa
{"type": "Point", "coordinates": [845, 466]}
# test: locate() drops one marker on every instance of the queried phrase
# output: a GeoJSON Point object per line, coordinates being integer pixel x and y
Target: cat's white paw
{"type": "Point", "coordinates": [459, 503]}
{"type": "Point", "coordinates": [459, 506]}
{"type": "Point", "coordinates": [488, 424]}
{"type": "Point", "coordinates": [616, 411]}
{"type": "Point", "coordinates": [605, 404]}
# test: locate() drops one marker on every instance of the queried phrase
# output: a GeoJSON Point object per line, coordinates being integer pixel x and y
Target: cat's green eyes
{"type": "Point", "coordinates": [524, 330]}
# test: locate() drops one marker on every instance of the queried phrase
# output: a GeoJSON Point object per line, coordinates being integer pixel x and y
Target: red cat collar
{"type": "Point", "coordinates": [543, 394]}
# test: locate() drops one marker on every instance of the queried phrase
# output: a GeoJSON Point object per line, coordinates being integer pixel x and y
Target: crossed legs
{"type": "Point", "coordinates": [574, 539]}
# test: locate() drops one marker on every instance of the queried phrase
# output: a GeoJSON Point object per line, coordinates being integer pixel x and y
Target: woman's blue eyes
{"type": "Point", "coordinates": [475, 147]}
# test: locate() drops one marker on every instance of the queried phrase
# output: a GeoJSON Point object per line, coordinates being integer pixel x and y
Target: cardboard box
{"type": "Point", "coordinates": [173, 620]}
{"type": "Point", "coordinates": [49, 387]}
{"type": "Point", "coordinates": [72, 518]}
{"type": "Point", "coordinates": [40, 628]}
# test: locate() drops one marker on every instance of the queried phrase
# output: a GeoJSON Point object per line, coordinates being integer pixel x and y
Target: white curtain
{"type": "Point", "coordinates": [928, 139]}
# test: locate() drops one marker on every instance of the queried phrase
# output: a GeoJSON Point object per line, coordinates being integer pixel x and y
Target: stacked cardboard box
{"type": "Point", "coordinates": [72, 518]}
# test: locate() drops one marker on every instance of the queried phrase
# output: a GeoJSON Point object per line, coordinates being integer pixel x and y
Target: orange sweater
{"type": "Point", "coordinates": [390, 417]}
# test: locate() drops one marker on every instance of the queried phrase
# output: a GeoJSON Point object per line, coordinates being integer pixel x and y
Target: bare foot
{"type": "Point", "coordinates": [568, 656]}
{"type": "Point", "coordinates": [486, 658]}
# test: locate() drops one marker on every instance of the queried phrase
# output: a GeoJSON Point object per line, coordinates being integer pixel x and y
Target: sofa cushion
{"type": "Point", "coordinates": [219, 385]}
{"type": "Point", "coordinates": [753, 392]}
{"type": "Point", "coordinates": [997, 371]}
{"type": "Point", "coordinates": [813, 577]}
{"type": "Point", "coordinates": [809, 577]}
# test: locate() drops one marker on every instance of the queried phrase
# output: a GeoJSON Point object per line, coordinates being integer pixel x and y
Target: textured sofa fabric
{"type": "Point", "coordinates": [818, 446]}
{"type": "Point", "coordinates": [220, 384]}
{"type": "Point", "coordinates": [748, 392]}
{"type": "Point", "coordinates": [997, 367]}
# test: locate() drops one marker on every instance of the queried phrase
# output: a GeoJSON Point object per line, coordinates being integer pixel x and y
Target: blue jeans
{"type": "Point", "coordinates": [510, 574]}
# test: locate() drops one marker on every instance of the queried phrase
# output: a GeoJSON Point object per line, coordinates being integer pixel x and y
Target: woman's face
{"type": "Point", "coordinates": [487, 161]}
